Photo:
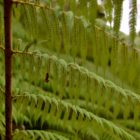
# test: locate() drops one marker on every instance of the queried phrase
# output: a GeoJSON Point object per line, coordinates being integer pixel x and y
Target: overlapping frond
{"type": "Point", "coordinates": [45, 107]}
{"type": "Point", "coordinates": [75, 82]}
{"type": "Point", "coordinates": [77, 37]}
{"type": "Point", "coordinates": [86, 86]}
{"type": "Point", "coordinates": [37, 134]}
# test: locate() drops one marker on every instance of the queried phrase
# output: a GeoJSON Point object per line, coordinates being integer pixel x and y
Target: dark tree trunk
{"type": "Point", "coordinates": [8, 67]}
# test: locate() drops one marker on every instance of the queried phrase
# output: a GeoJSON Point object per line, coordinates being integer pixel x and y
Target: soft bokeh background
{"type": "Point", "coordinates": [125, 17]}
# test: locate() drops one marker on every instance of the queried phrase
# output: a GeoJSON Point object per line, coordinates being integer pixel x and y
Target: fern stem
{"type": "Point", "coordinates": [32, 4]}
{"type": "Point", "coordinates": [8, 67]}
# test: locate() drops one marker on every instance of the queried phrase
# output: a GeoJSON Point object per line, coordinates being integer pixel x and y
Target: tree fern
{"type": "Point", "coordinates": [81, 82]}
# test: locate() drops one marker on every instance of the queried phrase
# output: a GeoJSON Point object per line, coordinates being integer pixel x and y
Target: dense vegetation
{"type": "Point", "coordinates": [73, 77]}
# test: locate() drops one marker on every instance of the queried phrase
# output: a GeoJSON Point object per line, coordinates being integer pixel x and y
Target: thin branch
{"type": "Point", "coordinates": [32, 4]}
{"type": "Point", "coordinates": [39, 6]}
{"type": "Point", "coordinates": [8, 67]}
{"type": "Point", "coordinates": [26, 53]}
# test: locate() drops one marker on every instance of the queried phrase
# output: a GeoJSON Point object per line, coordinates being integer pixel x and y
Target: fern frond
{"type": "Point", "coordinates": [57, 107]}
{"type": "Point", "coordinates": [28, 19]}
{"type": "Point", "coordinates": [83, 35]}
{"type": "Point", "coordinates": [129, 124]}
{"type": "Point", "coordinates": [92, 10]}
{"type": "Point", "coordinates": [100, 111]}
{"type": "Point", "coordinates": [51, 107]}
{"type": "Point", "coordinates": [117, 15]}
{"type": "Point", "coordinates": [85, 82]}
{"type": "Point", "coordinates": [34, 20]}
{"type": "Point", "coordinates": [37, 134]}
{"type": "Point", "coordinates": [132, 20]}
{"type": "Point", "coordinates": [65, 33]}
{"type": "Point", "coordinates": [108, 4]}
{"type": "Point", "coordinates": [49, 82]}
